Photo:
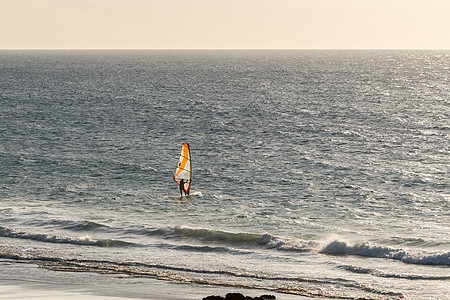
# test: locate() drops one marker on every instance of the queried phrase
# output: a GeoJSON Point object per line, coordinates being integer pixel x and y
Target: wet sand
{"type": "Point", "coordinates": [23, 290]}
{"type": "Point", "coordinates": [25, 281]}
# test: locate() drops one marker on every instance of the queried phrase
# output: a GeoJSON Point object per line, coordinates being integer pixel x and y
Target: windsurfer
{"type": "Point", "coordinates": [182, 188]}
{"type": "Point", "coordinates": [183, 173]}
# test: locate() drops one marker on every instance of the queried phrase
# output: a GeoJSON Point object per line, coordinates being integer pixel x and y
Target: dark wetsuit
{"type": "Point", "coordinates": [182, 188]}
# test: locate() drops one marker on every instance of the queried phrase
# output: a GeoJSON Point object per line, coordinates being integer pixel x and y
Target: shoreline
{"type": "Point", "coordinates": [23, 281]}
{"type": "Point", "coordinates": [23, 290]}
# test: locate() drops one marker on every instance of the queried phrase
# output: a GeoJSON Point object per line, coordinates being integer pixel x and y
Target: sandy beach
{"type": "Point", "coordinates": [28, 281]}
{"type": "Point", "coordinates": [12, 289]}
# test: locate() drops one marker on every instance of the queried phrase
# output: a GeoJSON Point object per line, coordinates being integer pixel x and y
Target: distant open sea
{"type": "Point", "coordinates": [315, 173]}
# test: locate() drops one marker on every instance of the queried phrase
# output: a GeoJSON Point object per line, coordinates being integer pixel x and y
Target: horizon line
{"type": "Point", "coordinates": [215, 49]}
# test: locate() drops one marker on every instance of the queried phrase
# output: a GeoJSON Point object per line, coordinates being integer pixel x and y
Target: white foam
{"type": "Point", "coordinates": [86, 241]}
{"type": "Point", "coordinates": [378, 273]}
{"type": "Point", "coordinates": [286, 244]}
{"type": "Point", "coordinates": [196, 194]}
{"type": "Point", "coordinates": [407, 256]}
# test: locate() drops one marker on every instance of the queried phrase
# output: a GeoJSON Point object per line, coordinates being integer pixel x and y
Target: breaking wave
{"type": "Point", "coordinates": [234, 239]}
{"type": "Point", "coordinates": [378, 273]}
{"type": "Point", "coordinates": [216, 236]}
{"type": "Point", "coordinates": [269, 241]}
{"type": "Point", "coordinates": [47, 238]}
{"type": "Point", "coordinates": [285, 244]}
{"type": "Point", "coordinates": [368, 250]}
{"type": "Point", "coordinates": [243, 238]}
{"type": "Point", "coordinates": [219, 239]}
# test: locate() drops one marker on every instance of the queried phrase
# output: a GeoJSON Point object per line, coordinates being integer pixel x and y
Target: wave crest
{"type": "Point", "coordinates": [368, 250]}
{"type": "Point", "coordinates": [216, 235]}
{"type": "Point", "coordinates": [85, 241]}
{"type": "Point", "coordinates": [273, 242]}
{"type": "Point", "coordinates": [378, 273]}
{"type": "Point", "coordinates": [268, 241]}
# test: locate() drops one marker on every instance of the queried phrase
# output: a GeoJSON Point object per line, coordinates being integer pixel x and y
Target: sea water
{"type": "Point", "coordinates": [315, 173]}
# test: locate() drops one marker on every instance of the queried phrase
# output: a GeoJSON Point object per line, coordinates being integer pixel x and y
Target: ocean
{"type": "Point", "coordinates": [315, 174]}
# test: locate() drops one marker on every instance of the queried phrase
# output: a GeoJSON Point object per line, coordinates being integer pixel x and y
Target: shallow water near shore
{"type": "Point", "coordinates": [315, 173]}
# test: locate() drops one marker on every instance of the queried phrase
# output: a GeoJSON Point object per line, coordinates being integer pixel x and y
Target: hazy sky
{"type": "Point", "coordinates": [224, 24]}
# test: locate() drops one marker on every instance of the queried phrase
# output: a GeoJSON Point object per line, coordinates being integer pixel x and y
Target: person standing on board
{"type": "Point", "coordinates": [182, 188]}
